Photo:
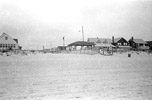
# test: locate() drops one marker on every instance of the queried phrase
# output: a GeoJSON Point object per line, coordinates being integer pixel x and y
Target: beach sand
{"type": "Point", "coordinates": [76, 77]}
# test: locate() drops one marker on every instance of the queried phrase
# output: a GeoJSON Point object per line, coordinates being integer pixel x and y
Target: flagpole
{"type": "Point", "coordinates": [82, 34]}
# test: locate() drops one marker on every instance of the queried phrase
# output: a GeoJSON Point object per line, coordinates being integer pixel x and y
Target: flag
{"type": "Point", "coordinates": [63, 37]}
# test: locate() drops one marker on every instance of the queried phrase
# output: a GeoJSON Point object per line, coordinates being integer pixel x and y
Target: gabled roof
{"type": "Point", "coordinates": [117, 39]}
{"type": "Point", "coordinates": [105, 40]}
{"type": "Point", "coordinates": [6, 35]}
{"type": "Point", "coordinates": [102, 40]}
{"type": "Point", "coordinates": [81, 43]}
{"type": "Point", "coordinates": [98, 41]}
{"type": "Point", "coordinates": [139, 41]}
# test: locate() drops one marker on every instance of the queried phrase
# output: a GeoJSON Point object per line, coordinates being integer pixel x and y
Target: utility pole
{"type": "Point", "coordinates": [82, 34]}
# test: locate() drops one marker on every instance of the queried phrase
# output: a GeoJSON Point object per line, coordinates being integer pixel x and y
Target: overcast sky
{"type": "Point", "coordinates": [44, 22]}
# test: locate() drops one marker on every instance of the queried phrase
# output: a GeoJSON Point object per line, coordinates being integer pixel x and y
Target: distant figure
{"type": "Point", "coordinates": [129, 55]}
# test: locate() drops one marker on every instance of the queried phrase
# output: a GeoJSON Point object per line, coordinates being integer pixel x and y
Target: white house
{"type": "Point", "coordinates": [7, 42]}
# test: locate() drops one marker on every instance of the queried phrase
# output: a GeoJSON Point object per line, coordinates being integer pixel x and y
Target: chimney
{"type": "Point", "coordinates": [132, 38]}
{"type": "Point", "coordinates": [112, 39]}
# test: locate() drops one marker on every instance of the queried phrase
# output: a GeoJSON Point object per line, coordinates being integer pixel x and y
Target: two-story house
{"type": "Point", "coordinates": [120, 43]}
{"type": "Point", "coordinates": [7, 42]}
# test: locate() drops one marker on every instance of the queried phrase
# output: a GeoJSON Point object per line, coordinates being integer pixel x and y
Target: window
{"type": "Point", "coordinates": [3, 45]}
{"type": "Point", "coordinates": [6, 38]}
{"type": "Point", "coordinates": [14, 45]}
{"type": "Point", "coordinates": [11, 45]}
{"type": "Point", "coordinates": [0, 45]}
{"type": "Point", "coordinates": [119, 43]}
{"type": "Point", "coordinates": [125, 43]}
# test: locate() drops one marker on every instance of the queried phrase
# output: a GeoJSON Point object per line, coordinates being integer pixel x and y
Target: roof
{"type": "Point", "coordinates": [9, 37]}
{"type": "Point", "coordinates": [81, 43]}
{"type": "Point", "coordinates": [139, 41]}
{"type": "Point", "coordinates": [117, 39]}
{"type": "Point", "coordinates": [100, 40]}
{"type": "Point", "coordinates": [93, 40]}
{"type": "Point", "coordinates": [4, 34]}
{"type": "Point", "coordinates": [149, 43]}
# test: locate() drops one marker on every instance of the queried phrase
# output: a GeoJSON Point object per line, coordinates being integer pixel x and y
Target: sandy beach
{"type": "Point", "coordinates": [76, 77]}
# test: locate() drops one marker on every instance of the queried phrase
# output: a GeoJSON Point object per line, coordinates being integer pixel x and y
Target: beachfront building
{"type": "Point", "coordinates": [102, 45]}
{"type": "Point", "coordinates": [61, 48]}
{"type": "Point", "coordinates": [100, 40]}
{"type": "Point", "coordinates": [121, 43]}
{"type": "Point", "coordinates": [149, 44]}
{"type": "Point", "coordinates": [8, 43]}
{"type": "Point", "coordinates": [138, 44]}
{"type": "Point", "coordinates": [79, 45]}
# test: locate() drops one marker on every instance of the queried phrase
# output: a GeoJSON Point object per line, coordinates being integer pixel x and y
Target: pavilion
{"type": "Point", "coordinates": [81, 44]}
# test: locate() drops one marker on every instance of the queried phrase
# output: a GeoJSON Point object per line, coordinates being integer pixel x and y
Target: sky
{"type": "Point", "coordinates": [38, 23]}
